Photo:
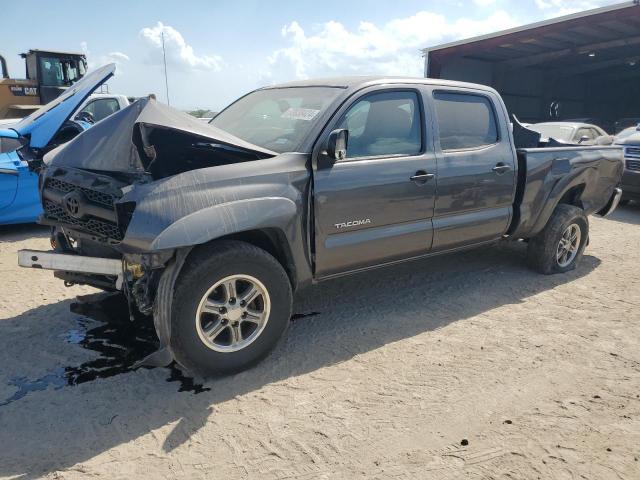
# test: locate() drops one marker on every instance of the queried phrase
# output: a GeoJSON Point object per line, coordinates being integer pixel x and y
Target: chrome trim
{"type": "Point", "coordinates": [617, 195]}
{"type": "Point", "coordinates": [632, 153]}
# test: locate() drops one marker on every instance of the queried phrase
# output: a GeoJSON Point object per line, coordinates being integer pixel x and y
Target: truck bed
{"type": "Point", "coordinates": [582, 176]}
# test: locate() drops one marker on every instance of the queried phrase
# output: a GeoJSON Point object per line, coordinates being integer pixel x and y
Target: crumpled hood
{"type": "Point", "coordinates": [42, 125]}
{"type": "Point", "coordinates": [116, 144]}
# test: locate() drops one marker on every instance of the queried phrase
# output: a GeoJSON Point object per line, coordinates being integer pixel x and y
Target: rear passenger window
{"type": "Point", "coordinates": [385, 123]}
{"type": "Point", "coordinates": [465, 121]}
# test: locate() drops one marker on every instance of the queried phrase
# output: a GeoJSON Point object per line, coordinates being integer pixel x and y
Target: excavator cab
{"type": "Point", "coordinates": [48, 74]}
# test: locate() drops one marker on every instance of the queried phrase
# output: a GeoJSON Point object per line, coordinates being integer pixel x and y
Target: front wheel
{"type": "Point", "coordinates": [560, 245]}
{"type": "Point", "coordinates": [232, 303]}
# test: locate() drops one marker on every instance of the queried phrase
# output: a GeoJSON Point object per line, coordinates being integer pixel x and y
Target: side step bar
{"type": "Point", "coordinates": [71, 263]}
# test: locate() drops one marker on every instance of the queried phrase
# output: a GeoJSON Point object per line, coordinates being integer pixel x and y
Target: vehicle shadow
{"type": "Point", "coordinates": [61, 425]}
{"type": "Point", "coordinates": [14, 233]}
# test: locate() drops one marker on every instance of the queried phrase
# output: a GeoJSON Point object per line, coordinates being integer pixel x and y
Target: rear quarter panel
{"type": "Point", "coordinates": [552, 172]}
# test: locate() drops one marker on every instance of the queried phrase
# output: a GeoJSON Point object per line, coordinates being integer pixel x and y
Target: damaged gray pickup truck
{"type": "Point", "coordinates": [211, 228]}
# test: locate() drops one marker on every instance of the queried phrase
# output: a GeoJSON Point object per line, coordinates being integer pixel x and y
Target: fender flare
{"type": "Point", "coordinates": [558, 191]}
{"type": "Point", "coordinates": [223, 219]}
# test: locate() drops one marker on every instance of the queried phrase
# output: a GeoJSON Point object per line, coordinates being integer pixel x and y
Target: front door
{"type": "Point", "coordinates": [9, 163]}
{"type": "Point", "coordinates": [376, 205]}
{"type": "Point", "coordinates": [476, 169]}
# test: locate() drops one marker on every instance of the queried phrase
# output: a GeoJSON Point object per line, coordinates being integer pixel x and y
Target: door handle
{"type": "Point", "coordinates": [501, 168]}
{"type": "Point", "coordinates": [9, 171]}
{"type": "Point", "coordinates": [421, 177]}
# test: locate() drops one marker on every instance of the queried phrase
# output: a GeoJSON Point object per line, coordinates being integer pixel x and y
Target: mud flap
{"type": "Point", "coordinates": [162, 312]}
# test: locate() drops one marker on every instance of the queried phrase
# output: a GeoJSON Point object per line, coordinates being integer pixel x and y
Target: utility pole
{"type": "Point", "coordinates": [164, 58]}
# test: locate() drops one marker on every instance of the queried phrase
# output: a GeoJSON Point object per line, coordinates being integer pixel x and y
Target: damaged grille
{"type": "Point", "coordinates": [93, 195]}
{"type": "Point", "coordinates": [92, 225]}
{"type": "Point", "coordinates": [86, 203]}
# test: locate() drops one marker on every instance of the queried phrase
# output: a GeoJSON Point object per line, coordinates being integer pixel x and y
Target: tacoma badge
{"type": "Point", "coordinates": [353, 223]}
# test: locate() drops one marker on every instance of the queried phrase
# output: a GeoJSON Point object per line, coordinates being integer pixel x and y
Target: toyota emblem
{"type": "Point", "coordinates": [72, 204]}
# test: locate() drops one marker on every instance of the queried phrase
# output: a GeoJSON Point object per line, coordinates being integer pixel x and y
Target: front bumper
{"type": "Point", "coordinates": [62, 262]}
{"type": "Point", "coordinates": [115, 269]}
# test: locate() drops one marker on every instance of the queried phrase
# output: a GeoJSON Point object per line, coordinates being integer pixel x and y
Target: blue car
{"type": "Point", "coordinates": [30, 138]}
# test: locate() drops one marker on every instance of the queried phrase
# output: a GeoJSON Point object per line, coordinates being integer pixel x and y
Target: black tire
{"type": "Point", "coordinates": [624, 202]}
{"type": "Point", "coordinates": [542, 249]}
{"type": "Point", "coordinates": [205, 267]}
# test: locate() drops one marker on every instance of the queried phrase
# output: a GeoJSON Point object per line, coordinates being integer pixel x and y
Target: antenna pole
{"type": "Point", "coordinates": [166, 80]}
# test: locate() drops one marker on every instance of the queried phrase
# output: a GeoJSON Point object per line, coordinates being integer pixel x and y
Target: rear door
{"type": "Point", "coordinates": [375, 206]}
{"type": "Point", "coordinates": [476, 168]}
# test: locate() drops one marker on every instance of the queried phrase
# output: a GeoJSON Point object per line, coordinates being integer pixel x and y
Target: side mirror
{"type": "Point", "coordinates": [337, 144]}
{"type": "Point", "coordinates": [584, 138]}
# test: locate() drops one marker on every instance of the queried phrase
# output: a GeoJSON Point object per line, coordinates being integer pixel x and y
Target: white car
{"type": "Point", "coordinates": [95, 108]}
{"type": "Point", "coordinates": [99, 106]}
{"type": "Point", "coordinates": [569, 132]}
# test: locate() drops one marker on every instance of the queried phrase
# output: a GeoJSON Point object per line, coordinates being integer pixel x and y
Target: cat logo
{"type": "Point", "coordinates": [24, 91]}
{"type": "Point", "coordinates": [353, 223]}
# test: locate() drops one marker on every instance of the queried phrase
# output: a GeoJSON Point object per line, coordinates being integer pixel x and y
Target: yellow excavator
{"type": "Point", "coordinates": [48, 74]}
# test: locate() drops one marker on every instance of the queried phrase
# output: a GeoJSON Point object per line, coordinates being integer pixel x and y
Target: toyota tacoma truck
{"type": "Point", "coordinates": [211, 228]}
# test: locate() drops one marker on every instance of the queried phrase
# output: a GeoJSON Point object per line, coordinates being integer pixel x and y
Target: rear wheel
{"type": "Point", "coordinates": [232, 302]}
{"type": "Point", "coordinates": [560, 245]}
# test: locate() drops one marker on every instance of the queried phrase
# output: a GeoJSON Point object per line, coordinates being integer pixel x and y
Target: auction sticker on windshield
{"type": "Point", "coordinates": [300, 113]}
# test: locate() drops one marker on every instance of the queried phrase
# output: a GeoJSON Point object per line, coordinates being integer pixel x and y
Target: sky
{"type": "Point", "coordinates": [219, 50]}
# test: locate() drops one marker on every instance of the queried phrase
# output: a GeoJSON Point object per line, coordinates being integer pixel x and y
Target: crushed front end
{"type": "Point", "coordinates": [112, 191]}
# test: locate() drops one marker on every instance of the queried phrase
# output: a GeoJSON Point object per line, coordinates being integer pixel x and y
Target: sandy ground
{"type": "Point", "coordinates": [540, 376]}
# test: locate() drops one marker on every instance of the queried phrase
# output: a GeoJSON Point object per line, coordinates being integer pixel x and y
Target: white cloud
{"type": "Point", "coordinates": [118, 58]}
{"type": "Point", "coordinates": [485, 3]}
{"type": "Point", "coordinates": [179, 53]}
{"type": "Point", "coordinates": [390, 49]}
{"type": "Point", "coordinates": [558, 8]}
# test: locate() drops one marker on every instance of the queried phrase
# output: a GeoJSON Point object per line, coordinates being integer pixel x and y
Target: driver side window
{"type": "Point", "coordinates": [101, 108]}
{"type": "Point", "coordinates": [384, 124]}
{"type": "Point", "coordinates": [584, 132]}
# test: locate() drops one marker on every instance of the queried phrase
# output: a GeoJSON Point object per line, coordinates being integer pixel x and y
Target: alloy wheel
{"type": "Point", "coordinates": [568, 245]}
{"type": "Point", "coordinates": [233, 313]}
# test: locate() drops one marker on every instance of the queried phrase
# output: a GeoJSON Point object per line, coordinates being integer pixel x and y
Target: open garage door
{"type": "Point", "coordinates": [584, 67]}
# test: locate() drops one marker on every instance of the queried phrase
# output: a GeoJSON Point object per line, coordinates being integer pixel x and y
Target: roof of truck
{"type": "Point", "coordinates": [55, 52]}
{"type": "Point", "coordinates": [357, 82]}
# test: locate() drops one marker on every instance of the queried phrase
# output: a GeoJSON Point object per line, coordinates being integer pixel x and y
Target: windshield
{"type": "Point", "coordinates": [277, 119]}
{"type": "Point", "coordinates": [60, 72]}
{"type": "Point", "coordinates": [557, 132]}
